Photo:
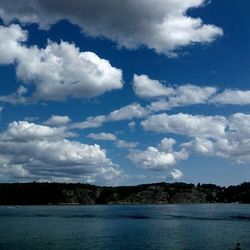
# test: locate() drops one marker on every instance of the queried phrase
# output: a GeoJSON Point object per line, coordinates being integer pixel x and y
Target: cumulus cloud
{"type": "Point", "coordinates": [153, 159]}
{"type": "Point", "coordinates": [175, 174]}
{"type": "Point", "coordinates": [167, 97]}
{"type": "Point", "coordinates": [162, 25]}
{"type": "Point", "coordinates": [158, 158]}
{"type": "Point", "coordinates": [103, 136]}
{"type": "Point", "coordinates": [227, 137]}
{"type": "Point", "coordinates": [234, 97]}
{"type": "Point", "coordinates": [180, 96]}
{"type": "Point", "coordinates": [126, 144]}
{"type": "Point", "coordinates": [31, 118]}
{"type": "Point", "coordinates": [190, 94]}
{"type": "Point", "coordinates": [167, 144]}
{"type": "Point", "coordinates": [29, 151]}
{"type": "Point", "coordinates": [176, 96]}
{"type": "Point", "coordinates": [127, 112]}
{"type": "Point", "coordinates": [16, 98]}
{"type": "Point", "coordinates": [233, 148]}
{"type": "Point", "coordinates": [185, 124]}
{"type": "Point", "coordinates": [111, 137]}
{"type": "Point", "coordinates": [148, 88]}
{"type": "Point", "coordinates": [24, 130]}
{"type": "Point", "coordinates": [131, 125]}
{"type": "Point", "coordinates": [58, 120]}
{"type": "Point", "coordinates": [90, 122]}
{"type": "Point", "coordinates": [57, 71]}
{"type": "Point", "coordinates": [170, 96]}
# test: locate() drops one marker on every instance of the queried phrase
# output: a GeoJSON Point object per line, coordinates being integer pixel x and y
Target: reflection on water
{"type": "Point", "coordinates": [211, 226]}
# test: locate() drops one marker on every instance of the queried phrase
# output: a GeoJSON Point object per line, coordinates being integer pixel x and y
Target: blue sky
{"type": "Point", "coordinates": [125, 92]}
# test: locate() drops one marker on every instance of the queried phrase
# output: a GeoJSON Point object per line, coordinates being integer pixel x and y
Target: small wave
{"type": "Point", "coordinates": [241, 217]}
{"type": "Point", "coordinates": [79, 216]}
{"type": "Point", "coordinates": [138, 217]}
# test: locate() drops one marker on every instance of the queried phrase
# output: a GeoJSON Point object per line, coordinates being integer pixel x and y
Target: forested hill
{"type": "Point", "coordinates": [157, 193]}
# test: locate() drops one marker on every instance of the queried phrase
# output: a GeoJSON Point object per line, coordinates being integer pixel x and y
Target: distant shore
{"type": "Point", "coordinates": [37, 193]}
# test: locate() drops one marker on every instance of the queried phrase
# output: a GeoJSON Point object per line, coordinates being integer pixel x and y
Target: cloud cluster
{"type": "Point", "coordinates": [236, 97]}
{"type": "Point", "coordinates": [133, 110]}
{"type": "Point", "coordinates": [162, 25]}
{"type": "Point", "coordinates": [175, 96]}
{"type": "Point", "coordinates": [148, 88]}
{"type": "Point", "coordinates": [103, 136]}
{"type": "Point", "coordinates": [57, 71]}
{"type": "Point", "coordinates": [158, 158]}
{"type": "Point", "coordinates": [58, 120]}
{"type": "Point", "coordinates": [29, 151]}
{"type": "Point", "coordinates": [184, 95]}
{"type": "Point", "coordinates": [111, 137]}
{"type": "Point", "coordinates": [126, 144]}
{"type": "Point", "coordinates": [175, 174]}
{"type": "Point", "coordinates": [166, 97]}
{"type": "Point", "coordinates": [185, 124]}
{"type": "Point", "coordinates": [227, 137]}
{"type": "Point", "coordinates": [169, 97]}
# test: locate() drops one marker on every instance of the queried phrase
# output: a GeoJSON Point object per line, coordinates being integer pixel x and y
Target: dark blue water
{"type": "Point", "coordinates": [212, 226]}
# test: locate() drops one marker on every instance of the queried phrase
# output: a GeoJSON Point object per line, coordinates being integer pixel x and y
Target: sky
{"type": "Point", "coordinates": [125, 92]}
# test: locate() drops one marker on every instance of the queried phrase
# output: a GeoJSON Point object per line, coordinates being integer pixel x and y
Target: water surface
{"type": "Point", "coordinates": [210, 226]}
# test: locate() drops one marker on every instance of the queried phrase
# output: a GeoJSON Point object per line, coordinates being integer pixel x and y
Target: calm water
{"type": "Point", "coordinates": [213, 226]}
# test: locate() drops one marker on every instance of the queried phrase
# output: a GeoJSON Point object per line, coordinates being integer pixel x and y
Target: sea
{"type": "Point", "coordinates": [126, 227]}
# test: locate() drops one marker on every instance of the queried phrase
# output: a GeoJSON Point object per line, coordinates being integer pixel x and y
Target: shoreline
{"type": "Point", "coordinates": [145, 194]}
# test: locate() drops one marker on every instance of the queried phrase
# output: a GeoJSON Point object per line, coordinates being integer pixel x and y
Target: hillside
{"type": "Point", "coordinates": [157, 193]}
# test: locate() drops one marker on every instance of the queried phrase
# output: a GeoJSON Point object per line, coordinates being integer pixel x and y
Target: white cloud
{"type": "Point", "coordinates": [175, 174]}
{"type": "Point", "coordinates": [227, 137]}
{"type": "Point", "coordinates": [229, 147]}
{"type": "Point", "coordinates": [111, 137]}
{"type": "Point", "coordinates": [58, 120]}
{"type": "Point", "coordinates": [103, 136]}
{"type": "Point", "coordinates": [190, 94]}
{"type": "Point", "coordinates": [23, 131]}
{"type": "Point", "coordinates": [131, 125]}
{"type": "Point", "coordinates": [126, 144]}
{"type": "Point", "coordinates": [170, 96]}
{"type": "Point", "coordinates": [16, 98]}
{"type": "Point", "coordinates": [201, 145]}
{"type": "Point", "coordinates": [90, 122]}
{"type": "Point", "coordinates": [167, 144]}
{"type": "Point", "coordinates": [30, 151]}
{"type": "Point", "coordinates": [148, 88]}
{"type": "Point", "coordinates": [58, 71]}
{"type": "Point", "coordinates": [162, 25]}
{"type": "Point", "coordinates": [184, 124]}
{"type": "Point", "coordinates": [234, 97]}
{"type": "Point", "coordinates": [31, 118]}
{"type": "Point", "coordinates": [152, 159]}
{"type": "Point", "coordinates": [181, 96]}
{"type": "Point", "coordinates": [10, 43]}
{"type": "Point", "coordinates": [158, 158]}
{"type": "Point", "coordinates": [239, 124]}
{"type": "Point", "coordinates": [128, 112]}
